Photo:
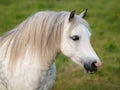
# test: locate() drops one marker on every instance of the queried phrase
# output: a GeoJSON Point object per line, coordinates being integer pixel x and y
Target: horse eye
{"type": "Point", "coordinates": [75, 37]}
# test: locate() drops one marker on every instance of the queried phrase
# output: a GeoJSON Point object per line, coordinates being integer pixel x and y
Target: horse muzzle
{"type": "Point", "coordinates": [91, 66]}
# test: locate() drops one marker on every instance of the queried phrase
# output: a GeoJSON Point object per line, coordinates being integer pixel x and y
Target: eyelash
{"type": "Point", "coordinates": [75, 38]}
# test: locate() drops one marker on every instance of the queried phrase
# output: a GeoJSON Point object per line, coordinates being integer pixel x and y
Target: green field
{"type": "Point", "coordinates": [104, 19]}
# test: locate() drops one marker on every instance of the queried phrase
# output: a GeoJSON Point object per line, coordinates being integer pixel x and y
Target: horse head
{"type": "Point", "coordinates": [75, 42]}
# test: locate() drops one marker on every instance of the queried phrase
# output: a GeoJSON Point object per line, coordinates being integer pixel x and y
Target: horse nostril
{"type": "Point", "coordinates": [93, 66]}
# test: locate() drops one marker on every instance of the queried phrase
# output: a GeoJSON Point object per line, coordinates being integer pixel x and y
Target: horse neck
{"type": "Point", "coordinates": [33, 38]}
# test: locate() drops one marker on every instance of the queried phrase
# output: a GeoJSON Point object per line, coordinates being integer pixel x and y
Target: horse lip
{"type": "Point", "coordinates": [89, 71]}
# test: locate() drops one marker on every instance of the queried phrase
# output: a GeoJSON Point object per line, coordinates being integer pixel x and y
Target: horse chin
{"type": "Point", "coordinates": [79, 62]}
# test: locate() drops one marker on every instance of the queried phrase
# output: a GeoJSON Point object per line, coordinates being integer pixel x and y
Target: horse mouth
{"type": "Point", "coordinates": [91, 71]}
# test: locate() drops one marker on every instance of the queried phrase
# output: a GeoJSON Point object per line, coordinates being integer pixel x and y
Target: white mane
{"type": "Point", "coordinates": [37, 35]}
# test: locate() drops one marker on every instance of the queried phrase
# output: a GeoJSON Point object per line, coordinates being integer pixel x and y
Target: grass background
{"type": "Point", "coordinates": [104, 19]}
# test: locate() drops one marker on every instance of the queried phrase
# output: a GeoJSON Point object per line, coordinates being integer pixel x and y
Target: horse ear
{"type": "Point", "coordinates": [83, 14]}
{"type": "Point", "coordinates": [72, 14]}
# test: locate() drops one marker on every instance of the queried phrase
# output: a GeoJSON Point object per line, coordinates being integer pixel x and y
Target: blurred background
{"type": "Point", "coordinates": [104, 19]}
